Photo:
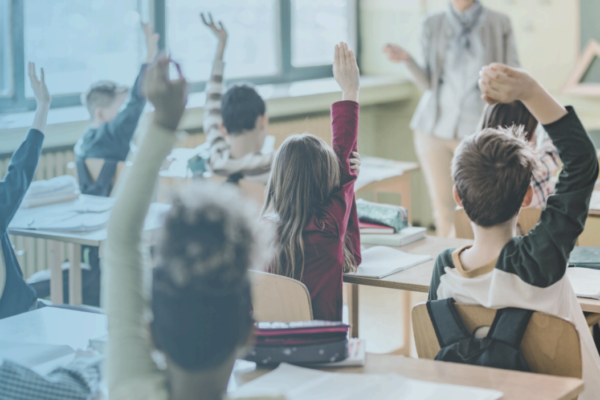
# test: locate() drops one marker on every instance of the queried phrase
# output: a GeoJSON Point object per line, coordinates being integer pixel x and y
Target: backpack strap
{"type": "Point", "coordinates": [446, 321]}
{"type": "Point", "coordinates": [510, 325]}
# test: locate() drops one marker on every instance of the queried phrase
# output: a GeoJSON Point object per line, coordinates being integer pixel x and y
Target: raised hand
{"type": "Point", "coordinates": [40, 90]}
{"type": "Point", "coordinates": [345, 72]}
{"type": "Point", "coordinates": [395, 53]}
{"type": "Point", "coordinates": [219, 32]}
{"type": "Point", "coordinates": [502, 84]}
{"type": "Point", "coordinates": [169, 97]}
{"type": "Point", "coordinates": [151, 42]}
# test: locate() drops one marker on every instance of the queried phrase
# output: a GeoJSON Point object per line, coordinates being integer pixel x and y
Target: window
{"type": "Point", "coordinates": [5, 49]}
{"type": "Point", "coordinates": [79, 42]}
{"type": "Point", "coordinates": [317, 26]}
{"type": "Point", "coordinates": [252, 47]}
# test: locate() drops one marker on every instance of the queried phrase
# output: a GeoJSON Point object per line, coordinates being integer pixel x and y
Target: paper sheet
{"type": "Point", "coordinates": [298, 383]}
{"type": "Point", "coordinates": [381, 261]}
{"type": "Point", "coordinates": [585, 282]}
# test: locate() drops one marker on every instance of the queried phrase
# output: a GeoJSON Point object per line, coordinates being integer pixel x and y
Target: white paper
{"type": "Point", "coordinates": [42, 358]}
{"type": "Point", "coordinates": [381, 261]}
{"type": "Point", "coordinates": [298, 383]}
{"type": "Point", "coordinates": [585, 282]}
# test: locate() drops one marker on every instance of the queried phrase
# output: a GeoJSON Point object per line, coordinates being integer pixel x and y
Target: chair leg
{"type": "Point", "coordinates": [353, 309]}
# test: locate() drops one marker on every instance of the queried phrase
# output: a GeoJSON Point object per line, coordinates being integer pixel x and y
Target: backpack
{"type": "Point", "coordinates": [499, 349]}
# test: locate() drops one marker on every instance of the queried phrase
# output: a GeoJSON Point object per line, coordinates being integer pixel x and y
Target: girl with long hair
{"type": "Point", "coordinates": [310, 197]}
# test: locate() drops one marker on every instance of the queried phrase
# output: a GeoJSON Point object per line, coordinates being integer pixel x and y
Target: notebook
{"type": "Point", "coordinates": [402, 238]}
{"type": "Point", "coordinates": [298, 383]}
{"type": "Point", "coordinates": [586, 257]}
{"type": "Point", "coordinates": [381, 261]}
{"type": "Point", "coordinates": [585, 282]}
{"type": "Point", "coordinates": [367, 228]}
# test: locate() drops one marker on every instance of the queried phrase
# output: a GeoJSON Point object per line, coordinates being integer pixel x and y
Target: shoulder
{"type": "Point", "coordinates": [434, 19]}
{"type": "Point", "coordinates": [150, 387]}
{"type": "Point", "coordinates": [496, 18]}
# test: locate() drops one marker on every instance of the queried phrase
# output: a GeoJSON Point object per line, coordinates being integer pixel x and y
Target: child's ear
{"type": "Point", "coordinates": [456, 196]}
{"type": "Point", "coordinates": [223, 129]}
{"type": "Point", "coordinates": [528, 197]}
{"type": "Point", "coordinates": [99, 114]}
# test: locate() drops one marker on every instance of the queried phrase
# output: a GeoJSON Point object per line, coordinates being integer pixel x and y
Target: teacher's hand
{"type": "Point", "coordinates": [396, 53]}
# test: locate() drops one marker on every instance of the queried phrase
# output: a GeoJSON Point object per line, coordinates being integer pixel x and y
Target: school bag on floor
{"type": "Point", "coordinates": [499, 349]}
{"type": "Point", "coordinates": [306, 342]}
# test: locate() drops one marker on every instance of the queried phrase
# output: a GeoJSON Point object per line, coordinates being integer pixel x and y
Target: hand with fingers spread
{"type": "Point", "coordinates": [151, 42]}
{"type": "Point", "coordinates": [355, 162]}
{"type": "Point", "coordinates": [169, 97]}
{"type": "Point", "coordinates": [40, 91]}
{"type": "Point", "coordinates": [345, 72]}
{"type": "Point", "coordinates": [395, 53]}
{"type": "Point", "coordinates": [502, 84]}
{"type": "Point", "coordinates": [219, 32]}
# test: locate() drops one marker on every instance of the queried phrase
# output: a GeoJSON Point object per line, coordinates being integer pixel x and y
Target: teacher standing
{"type": "Point", "coordinates": [456, 44]}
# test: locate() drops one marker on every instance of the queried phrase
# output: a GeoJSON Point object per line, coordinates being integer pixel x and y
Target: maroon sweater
{"type": "Point", "coordinates": [324, 234]}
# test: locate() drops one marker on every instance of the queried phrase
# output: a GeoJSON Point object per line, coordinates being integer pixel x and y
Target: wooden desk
{"type": "Point", "coordinates": [417, 279]}
{"type": "Point", "coordinates": [514, 385]}
{"type": "Point", "coordinates": [54, 326]}
{"type": "Point", "coordinates": [75, 241]}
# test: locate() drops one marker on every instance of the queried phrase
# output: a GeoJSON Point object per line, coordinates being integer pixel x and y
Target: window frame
{"type": "Point", "coordinates": [18, 102]}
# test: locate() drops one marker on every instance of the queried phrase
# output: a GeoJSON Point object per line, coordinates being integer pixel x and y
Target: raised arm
{"type": "Point", "coordinates": [123, 127]}
{"type": "Point", "coordinates": [214, 87]}
{"type": "Point", "coordinates": [24, 161]}
{"type": "Point", "coordinates": [548, 245]}
{"type": "Point", "coordinates": [129, 351]}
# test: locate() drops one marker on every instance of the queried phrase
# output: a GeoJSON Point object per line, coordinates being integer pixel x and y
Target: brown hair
{"type": "Point", "coordinates": [492, 170]}
{"type": "Point", "coordinates": [101, 94]}
{"type": "Point", "coordinates": [505, 115]}
{"type": "Point", "coordinates": [305, 173]}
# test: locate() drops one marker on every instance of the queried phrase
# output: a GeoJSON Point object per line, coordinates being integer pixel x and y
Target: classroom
{"type": "Point", "coordinates": [299, 199]}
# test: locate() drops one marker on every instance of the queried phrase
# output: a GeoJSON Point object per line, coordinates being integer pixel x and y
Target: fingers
{"type": "Point", "coordinates": [43, 77]}
{"type": "Point", "coordinates": [179, 73]}
{"type": "Point", "coordinates": [221, 27]}
{"type": "Point", "coordinates": [337, 55]}
{"type": "Point", "coordinates": [211, 19]}
{"type": "Point", "coordinates": [356, 155]}
{"type": "Point", "coordinates": [203, 19]}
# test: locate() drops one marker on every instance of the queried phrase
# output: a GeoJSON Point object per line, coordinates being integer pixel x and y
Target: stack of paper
{"type": "Point", "coordinates": [61, 189]}
{"type": "Point", "coordinates": [402, 238]}
{"type": "Point", "coordinates": [585, 282]}
{"type": "Point", "coordinates": [298, 383]}
{"type": "Point", "coordinates": [42, 358]}
{"type": "Point", "coordinates": [380, 261]}
{"type": "Point", "coordinates": [587, 257]}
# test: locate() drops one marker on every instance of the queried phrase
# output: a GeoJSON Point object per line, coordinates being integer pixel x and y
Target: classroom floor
{"type": "Point", "coordinates": [380, 316]}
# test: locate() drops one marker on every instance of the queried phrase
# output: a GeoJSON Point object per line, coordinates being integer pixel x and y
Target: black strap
{"type": "Point", "coordinates": [510, 325]}
{"type": "Point", "coordinates": [446, 321]}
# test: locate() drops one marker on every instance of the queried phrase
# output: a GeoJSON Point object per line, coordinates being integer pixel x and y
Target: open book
{"type": "Point", "coordinates": [297, 383]}
{"type": "Point", "coordinates": [380, 261]}
{"type": "Point", "coordinates": [585, 282]}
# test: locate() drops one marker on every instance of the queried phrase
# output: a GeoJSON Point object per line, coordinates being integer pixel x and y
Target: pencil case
{"type": "Point", "coordinates": [299, 353]}
{"type": "Point", "coordinates": [382, 214]}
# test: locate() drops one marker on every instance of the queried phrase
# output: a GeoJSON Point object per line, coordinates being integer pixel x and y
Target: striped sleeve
{"type": "Point", "coordinates": [212, 108]}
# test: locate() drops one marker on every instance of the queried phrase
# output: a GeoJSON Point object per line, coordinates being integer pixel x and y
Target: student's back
{"type": "Point", "coordinates": [492, 172]}
{"type": "Point", "coordinates": [311, 197]}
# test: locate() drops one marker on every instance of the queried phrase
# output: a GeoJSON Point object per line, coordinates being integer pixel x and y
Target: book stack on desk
{"type": "Point", "coordinates": [385, 224]}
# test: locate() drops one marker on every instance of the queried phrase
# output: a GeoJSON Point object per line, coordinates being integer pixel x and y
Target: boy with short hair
{"type": "Point", "coordinates": [235, 123]}
{"type": "Point", "coordinates": [111, 131]}
{"type": "Point", "coordinates": [492, 172]}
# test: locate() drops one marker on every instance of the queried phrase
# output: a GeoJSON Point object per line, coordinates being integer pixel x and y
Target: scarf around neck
{"type": "Point", "coordinates": [464, 22]}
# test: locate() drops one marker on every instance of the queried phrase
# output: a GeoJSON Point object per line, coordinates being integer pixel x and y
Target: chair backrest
{"type": "Point", "coordinates": [528, 219]}
{"type": "Point", "coordinates": [550, 344]}
{"type": "Point", "coordinates": [278, 298]}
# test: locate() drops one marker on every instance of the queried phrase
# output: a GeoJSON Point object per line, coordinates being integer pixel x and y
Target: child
{"type": "Point", "coordinates": [515, 113]}
{"type": "Point", "coordinates": [311, 193]}
{"type": "Point", "coordinates": [111, 131]}
{"type": "Point", "coordinates": [15, 295]}
{"type": "Point", "coordinates": [201, 301]}
{"type": "Point", "coordinates": [492, 174]}
{"type": "Point", "coordinates": [235, 124]}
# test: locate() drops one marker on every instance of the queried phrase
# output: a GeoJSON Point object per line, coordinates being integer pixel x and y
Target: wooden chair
{"type": "Point", "coordinates": [277, 298]}
{"type": "Point", "coordinates": [550, 344]}
{"type": "Point", "coordinates": [528, 219]}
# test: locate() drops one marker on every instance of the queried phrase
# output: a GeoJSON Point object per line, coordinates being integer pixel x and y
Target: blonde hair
{"type": "Point", "coordinates": [305, 173]}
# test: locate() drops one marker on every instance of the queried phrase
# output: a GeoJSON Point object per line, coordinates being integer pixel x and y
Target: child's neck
{"type": "Point", "coordinates": [245, 143]}
{"type": "Point", "coordinates": [488, 244]}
